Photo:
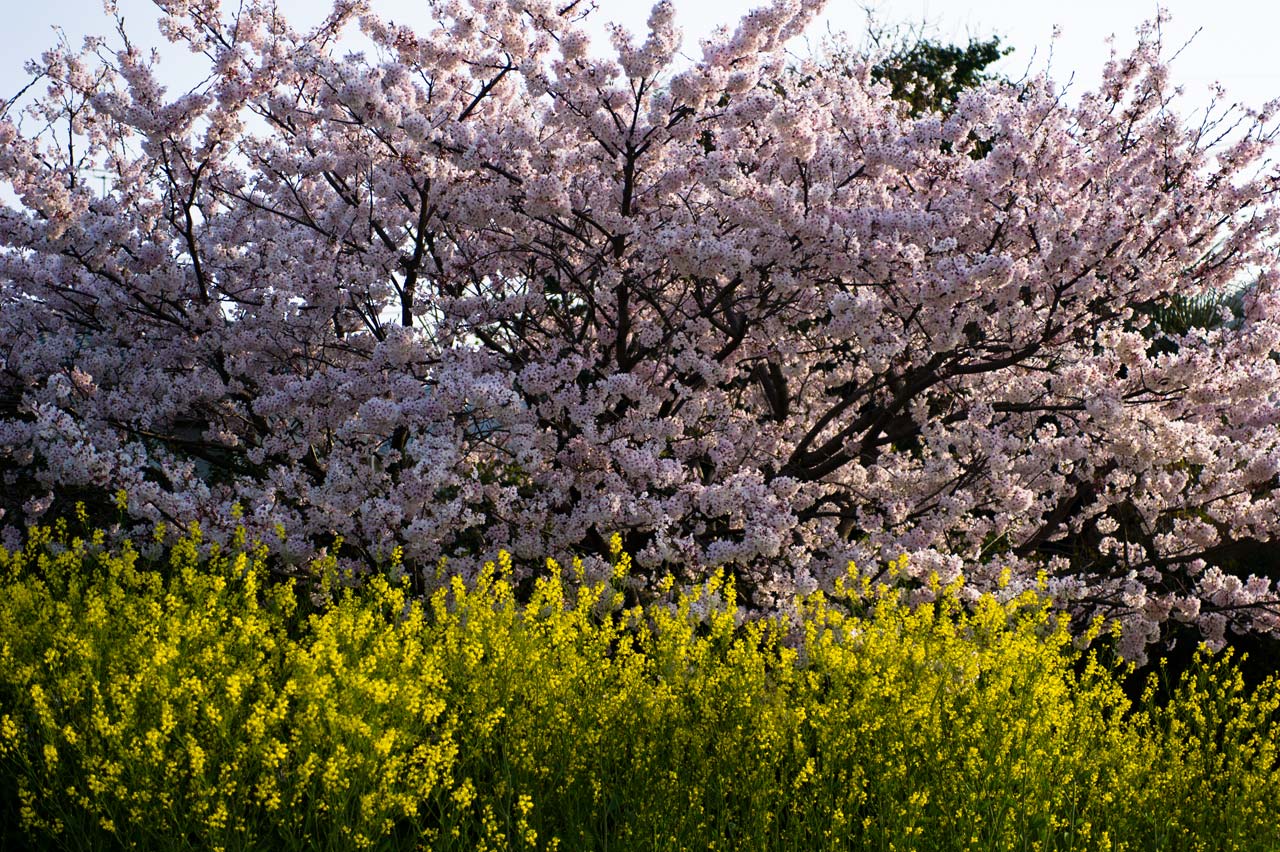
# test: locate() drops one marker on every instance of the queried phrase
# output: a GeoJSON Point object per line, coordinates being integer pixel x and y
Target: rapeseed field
{"type": "Point", "coordinates": [191, 701]}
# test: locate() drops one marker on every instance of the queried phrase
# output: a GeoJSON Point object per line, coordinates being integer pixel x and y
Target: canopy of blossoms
{"type": "Point", "coordinates": [478, 288]}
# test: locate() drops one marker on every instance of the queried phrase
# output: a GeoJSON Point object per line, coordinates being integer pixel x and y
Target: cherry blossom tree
{"type": "Point", "coordinates": [478, 287]}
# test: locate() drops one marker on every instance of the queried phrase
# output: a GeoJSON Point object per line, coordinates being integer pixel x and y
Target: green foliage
{"type": "Point", "coordinates": [929, 76]}
{"type": "Point", "coordinates": [924, 74]}
{"type": "Point", "coordinates": [188, 702]}
{"type": "Point", "coordinates": [1179, 314]}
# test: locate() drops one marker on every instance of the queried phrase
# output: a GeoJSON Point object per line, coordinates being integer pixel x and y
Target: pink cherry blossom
{"type": "Point", "coordinates": [480, 289]}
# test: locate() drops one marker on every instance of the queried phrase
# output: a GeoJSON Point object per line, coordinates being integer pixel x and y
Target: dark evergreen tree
{"type": "Point", "coordinates": [928, 75]}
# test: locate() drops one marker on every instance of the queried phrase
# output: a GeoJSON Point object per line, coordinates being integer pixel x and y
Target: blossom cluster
{"type": "Point", "coordinates": [481, 289]}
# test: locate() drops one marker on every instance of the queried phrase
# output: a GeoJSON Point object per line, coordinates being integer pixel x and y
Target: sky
{"type": "Point", "coordinates": [1234, 40]}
